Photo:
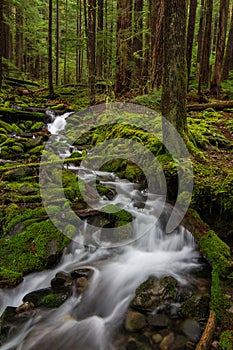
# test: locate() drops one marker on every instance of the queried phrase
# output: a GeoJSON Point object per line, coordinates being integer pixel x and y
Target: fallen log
{"type": "Point", "coordinates": [207, 336]}
{"type": "Point", "coordinates": [30, 92]}
{"type": "Point", "coordinates": [21, 82]}
{"type": "Point", "coordinates": [216, 106]}
{"type": "Point", "coordinates": [37, 109]}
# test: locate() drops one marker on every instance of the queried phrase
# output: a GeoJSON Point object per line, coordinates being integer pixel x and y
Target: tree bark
{"type": "Point", "coordinates": [50, 56]}
{"type": "Point", "coordinates": [1, 40]}
{"type": "Point", "coordinates": [57, 41]}
{"type": "Point", "coordinates": [91, 42]}
{"type": "Point", "coordinates": [100, 28]}
{"type": "Point", "coordinates": [123, 46]}
{"type": "Point", "coordinates": [157, 44]}
{"type": "Point", "coordinates": [206, 46]}
{"type": "Point", "coordinates": [174, 83]}
{"type": "Point", "coordinates": [190, 34]}
{"type": "Point", "coordinates": [228, 60]}
{"type": "Point", "coordinates": [137, 44]}
{"type": "Point", "coordinates": [19, 38]}
{"type": "Point", "coordinates": [220, 48]}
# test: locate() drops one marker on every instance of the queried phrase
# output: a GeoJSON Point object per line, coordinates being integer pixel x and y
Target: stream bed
{"type": "Point", "coordinates": [150, 292]}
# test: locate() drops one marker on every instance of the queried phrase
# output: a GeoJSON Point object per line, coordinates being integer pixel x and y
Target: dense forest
{"type": "Point", "coordinates": [115, 44]}
{"type": "Point", "coordinates": [116, 116]}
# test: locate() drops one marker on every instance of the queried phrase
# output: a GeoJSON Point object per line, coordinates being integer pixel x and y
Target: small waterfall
{"type": "Point", "coordinates": [91, 321]}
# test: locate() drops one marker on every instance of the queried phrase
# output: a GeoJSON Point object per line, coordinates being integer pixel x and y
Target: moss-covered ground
{"type": "Point", "coordinates": [28, 238]}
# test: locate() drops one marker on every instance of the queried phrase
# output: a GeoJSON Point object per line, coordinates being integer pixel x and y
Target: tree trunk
{"type": "Point", "coordinates": [91, 48]}
{"type": "Point", "coordinates": [228, 61]}
{"type": "Point", "coordinates": [206, 46]}
{"type": "Point", "coordinates": [137, 44]}
{"type": "Point", "coordinates": [19, 39]}
{"type": "Point", "coordinates": [190, 34]}
{"type": "Point", "coordinates": [57, 41]}
{"type": "Point", "coordinates": [78, 37]}
{"type": "Point", "coordinates": [100, 28]}
{"type": "Point", "coordinates": [1, 40]}
{"type": "Point", "coordinates": [123, 46]}
{"type": "Point", "coordinates": [174, 82]}
{"type": "Point", "coordinates": [200, 35]}
{"type": "Point", "coordinates": [221, 39]}
{"type": "Point", "coordinates": [157, 44]}
{"type": "Point", "coordinates": [50, 56]}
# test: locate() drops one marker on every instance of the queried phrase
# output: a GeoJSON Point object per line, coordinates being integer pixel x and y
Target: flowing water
{"type": "Point", "coordinates": [91, 320]}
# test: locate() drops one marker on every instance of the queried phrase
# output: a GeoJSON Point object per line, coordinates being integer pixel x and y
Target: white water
{"type": "Point", "coordinates": [90, 321]}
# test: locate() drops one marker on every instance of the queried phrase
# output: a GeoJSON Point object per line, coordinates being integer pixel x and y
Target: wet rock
{"type": "Point", "coordinates": [154, 293]}
{"type": "Point", "coordinates": [196, 307]}
{"type": "Point", "coordinates": [157, 338]}
{"type": "Point", "coordinates": [134, 344]}
{"type": "Point", "coordinates": [81, 284]}
{"type": "Point", "coordinates": [167, 342]}
{"type": "Point", "coordinates": [34, 142]}
{"type": "Point", "coordinates": [158, 320]}
{"type": "Point", "coordinates": [48, 297]}
{"type": "Point", "coordinates": [61, 280]}
{"type": "Point", "coordinates": [134, 321]}
{"type": "Point", "coordinates": [81, 272]}
{"type": "Point", "coordinates": [179, 343]}
{"type": "Point", "coordinates": [192, 330]}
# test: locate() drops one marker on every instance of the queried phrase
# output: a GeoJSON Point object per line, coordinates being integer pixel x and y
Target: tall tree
{"type": "Point", "coordinates": [220, 48]}
{"type": "Point", "coordinates": [19, 38]}
{"type": "Point", "coordinates": [157, 43]}
{"type": "Point", "coordinates": [204, 76]}
{"type": "Point", "coordinates": [123, 45]}
{"type": "Point", "coordinates": [50, 53]}
{"type": "Point", "coordinates": [1, 40]}
{"type": "Point", "coordinates": [174, 82]}
{"type": "Point", "coordinates": [190, 34]}
{"type": "Point", "coordinates": [91, 42]}
{"type": "Point", "coordinates": [57, 41]}
{"type": "Point", "coordinates": [137, 44]}
{"type": "Point", "coordinates": [228, 60]}
{"type": "Point", "coordinates": [100, 28]}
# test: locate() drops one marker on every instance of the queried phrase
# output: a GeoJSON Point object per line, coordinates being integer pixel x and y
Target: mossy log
{"type": "Point", "coordinates": [216, 106]}
{"type": "Point", "coordinates": [13, 115]}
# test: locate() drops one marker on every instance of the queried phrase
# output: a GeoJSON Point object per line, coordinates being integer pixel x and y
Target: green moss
{"type": "Point", "coordinates": [217, 252]}
{"type": "Point", "coordinates": [219, 302]}
{"type": "Point", "coordinates": [29, 250]}
{"type": "Point", "coordinates": [52, 300]}
{"type": "Point", "coordinates": [37, 126]}
{"type": "Point", "coordinates": [226, 340]}
{"type": "Point", "coordinates": [11, 211]}
{"type": "Point", "coordinates": [118, 213]}
{"type": "Point", "coordinates": [9, 277]}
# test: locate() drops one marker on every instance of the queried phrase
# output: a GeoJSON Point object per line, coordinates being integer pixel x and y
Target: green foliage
{"type": "Point", "coordinates": [219, 302]}
{"type": "Point", "coordinates": [226, 340]}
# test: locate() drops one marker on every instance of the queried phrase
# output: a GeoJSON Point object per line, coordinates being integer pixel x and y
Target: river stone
{"type": "Point", "coordinates": [196, 307]}
{"type": "Point", "coordinates": [191, 329]}
{"type": "Point", "coordinates": [81, 272]}
{"type": "Point", "coordinates": [157, 338]}
{"type": "Point", "coordinates": [158, 320]}
{"type": "Point", "coordinates": [134, 344]}
{"type": "Point", "coordinates": [81, 284]}
{"type": "Point", "coordinates": [61, 280]}
{"type": "Point", "coordinates": [134, 321]}
{"type": "Point", "coordinates": [179, 343]}
{"type": "Point", "coordinates": [154, 293]}
{"type": "Point", "coordinates": [167, 342]}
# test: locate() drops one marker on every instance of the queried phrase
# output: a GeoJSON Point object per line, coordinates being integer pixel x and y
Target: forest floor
{"type": "Point", "coordinates": [211, 136]}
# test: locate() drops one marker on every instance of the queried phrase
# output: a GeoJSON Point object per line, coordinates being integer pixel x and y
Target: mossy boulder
{"type": "Point", "coordinates": [39, 246]}
{"type": "Point", "coordinates": [196, 307]}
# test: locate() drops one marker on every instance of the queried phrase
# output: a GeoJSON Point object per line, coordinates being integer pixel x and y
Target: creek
{"type": "Point", "coordinates": [93, 320]}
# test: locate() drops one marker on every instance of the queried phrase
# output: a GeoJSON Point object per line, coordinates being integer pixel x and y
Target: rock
{"type": "Point", "coordinates": [34, 142]}
{"type": "Point", "coordinates": [134, 344]}
{"type": "Point", "coordinates": [192, 330]}
{"type": "Point", "coordinates": [215, 345]}
{"type": "Point", "coordinates": [158, 320]}
{"type": "Point", "coordinates": [154, 293]}
{"type": "Point", "coordinates": [196, 307]}
{"type": "Point", "coordinates": [18, 173]}
{"type": "Point", "coordinates": [179, 343]}
{"type": "Point", "coordinates": [134, 321]}
{"type": "Point", "coordinates": [61, 280]}
{"type": "Point", "coordinates": [157, 338]}
{"type": "Point", "coordinates": [81, 284]}
{"type": "Point", "coordinates": [81, 272]}
{"type": "Point", "coordinates": [167, 342]}
{"type": "Point", "coordinates": [48, 297]}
